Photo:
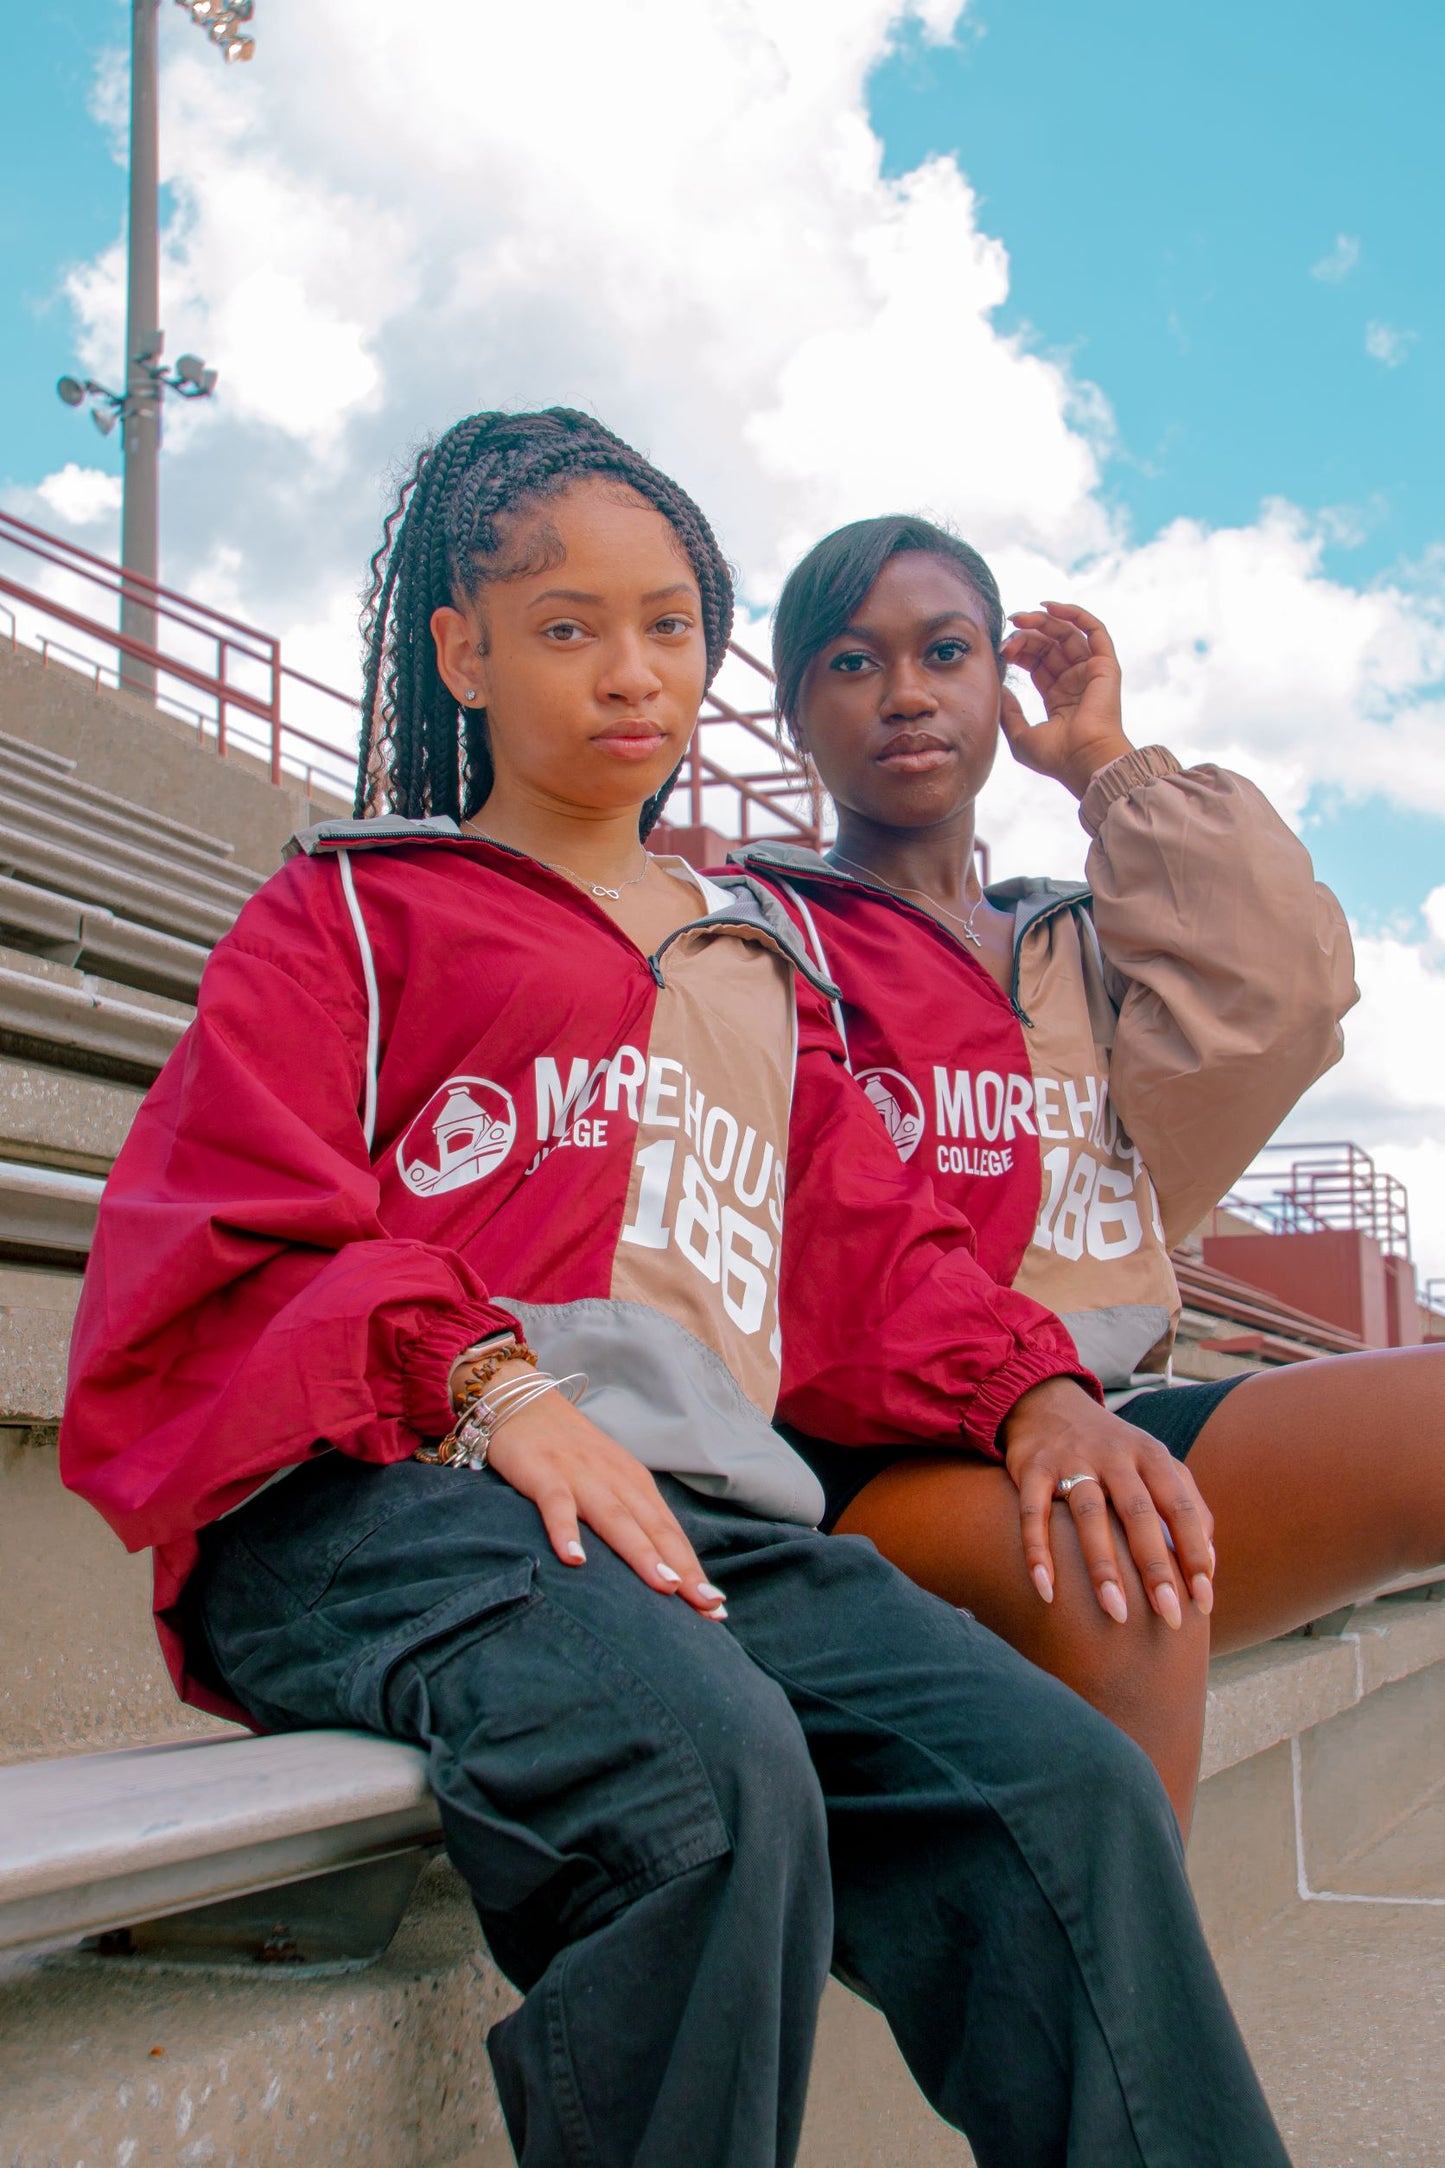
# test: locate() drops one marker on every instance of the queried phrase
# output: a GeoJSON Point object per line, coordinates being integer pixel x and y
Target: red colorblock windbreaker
{"type": "Point", "coordinates": [431, 1093]}
{"type": "Point", "coordinates": [1161, 1023]}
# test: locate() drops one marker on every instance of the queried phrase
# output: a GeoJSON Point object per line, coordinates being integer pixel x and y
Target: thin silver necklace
{"type": "Point", "coordinates": [553, 865]}
{"type": "Point", "coordinates": [598, 888]}
{"type": "Point", "coordinates": [899, 889]}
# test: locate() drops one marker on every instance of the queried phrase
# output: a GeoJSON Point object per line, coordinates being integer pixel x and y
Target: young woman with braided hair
{"type": "Point", "coordinates": [1084, 1072]}
{"type": "Point", "coordinates": [439, 1310]}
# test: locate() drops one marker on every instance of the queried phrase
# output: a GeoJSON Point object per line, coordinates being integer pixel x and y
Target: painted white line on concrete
{"type": "Point", "coordinates": [1302, 1881]}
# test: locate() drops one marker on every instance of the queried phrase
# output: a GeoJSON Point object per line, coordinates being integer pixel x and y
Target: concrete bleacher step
{"type": "Point", "coordinates": [61, 1018]}
{"type": "Point", "coordinates": [68, 930]}
{"type": "Point", "coordinates": [115, 749]}
{"type": "Point", "coordinates": [51, 1118]}
{"type": "Point", "coordinates": [1344, 2010]}
{"type": "Point", "coordinates": [29, 781]}
{"type": "Point", "coordinates": [153, 896]}
{"type": "Point", "coordinates": [43, 758]}
{"type": "Point", "coordinates": [213, 880]}
{"type": "Point", "coordinates": [47, 1210]}
{"type": "Point", "coordinates": [111, 2060]}
{"type": "Point", "coordinates": [37, 1310]}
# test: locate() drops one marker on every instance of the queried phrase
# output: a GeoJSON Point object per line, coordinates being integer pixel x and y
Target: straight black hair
{"type": "Point", "coordinates": [447, 534]}
{"type": "Point", "coordinates": [823, 590]}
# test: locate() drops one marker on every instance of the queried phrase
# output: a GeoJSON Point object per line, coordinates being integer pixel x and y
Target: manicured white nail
{"type": "Point", "coordinates": [1213, 1560]}
{"type": "Point", "coordinates": [1043, 1584]}
{"type": "Point", "coordinates": [665, 1573]}
{"type": "Point", "coordinates": [1203, 1589]}
{"type": "Point", "coordinates": [575, 1550]}
{"type": "Point", "coordinates": [1111, 1596]}
{"type": "Point", "coordinates": [721, 1611]}
{"type": "Point", "coordinates": [1166, 1603]}
{"type": "Point", "coordinates": [705, 1588]}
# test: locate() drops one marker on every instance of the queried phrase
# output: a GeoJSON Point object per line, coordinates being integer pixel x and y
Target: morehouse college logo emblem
{"type": "Point", "coordinates": [899, 1105]}
{"type": "Point", "coordinates": [465, 1130]}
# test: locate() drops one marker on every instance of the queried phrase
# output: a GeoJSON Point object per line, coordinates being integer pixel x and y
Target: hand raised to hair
{"type": "Point", "coordinates": [574, 1473]}
{"type": "Point", "coordinates": [1071, 659]}
{"type": "Point", "coordinates": [1055, 1430]}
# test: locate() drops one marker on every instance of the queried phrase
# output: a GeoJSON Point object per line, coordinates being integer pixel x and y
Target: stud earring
{"type": "Point", "coordinates": [470, 695]}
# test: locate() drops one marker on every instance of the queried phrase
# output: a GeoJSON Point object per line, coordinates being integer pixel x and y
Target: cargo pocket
{"type": "Point", "coordinates": [481, 1606]}
{"type": "Point", "coordinates": [564, 1777]}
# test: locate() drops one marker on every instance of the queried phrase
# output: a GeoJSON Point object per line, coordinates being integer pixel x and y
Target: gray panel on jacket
{"type": "Point", "coordinates": [1113, 1342]}
{"type": "Point", "coordinates": [658, 1391]}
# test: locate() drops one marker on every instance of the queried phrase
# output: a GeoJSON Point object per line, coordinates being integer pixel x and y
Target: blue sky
{"type": "Point", "coordinates": [1166, 183]}
{"type": "Point", "coordinates": [1167, 180]}
{"type": "Point", "coordinates": [62, 199]}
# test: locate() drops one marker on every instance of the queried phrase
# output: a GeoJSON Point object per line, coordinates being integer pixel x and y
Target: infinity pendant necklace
{"type": "Point", "coordinates": [553, 865]}
{"type": "Point", "coordinates": [597, 888]}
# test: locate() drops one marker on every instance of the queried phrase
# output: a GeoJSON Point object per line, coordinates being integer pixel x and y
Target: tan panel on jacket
{"type": "Point", "coordinates": [703, 1228]}
{"type": "Point", "coordinates": [1098, 1242]}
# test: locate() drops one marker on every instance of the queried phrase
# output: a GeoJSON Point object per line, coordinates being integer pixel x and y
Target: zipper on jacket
{"type": "Point", "coordinates": [1040, 918]}
{"type": "Point", "coordinates": [654, 961]}
{"type": "Point", "coordinates": [799, 961]}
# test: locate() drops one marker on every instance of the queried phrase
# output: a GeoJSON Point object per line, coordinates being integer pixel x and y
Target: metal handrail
{"type": "Point", "coordinates": [1329, 1184]}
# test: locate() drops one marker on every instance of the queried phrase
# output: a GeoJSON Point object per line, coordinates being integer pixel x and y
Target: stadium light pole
{"type": "Point", "coordinates": [138, 407]}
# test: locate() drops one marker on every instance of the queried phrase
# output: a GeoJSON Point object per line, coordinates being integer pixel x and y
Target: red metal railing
{"type": "Point", "coordinates": [1432, 1311]}
{"type": "Point", "coordinates": [229, 679]}
{"type": "Point", "coordinates": [1326, 1185]}
{"type": "Point", "coordinates": [207, 667]}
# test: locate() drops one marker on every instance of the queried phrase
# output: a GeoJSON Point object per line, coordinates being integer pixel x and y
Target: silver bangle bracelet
{"type": "Point", "coordinates": [474, 1434]}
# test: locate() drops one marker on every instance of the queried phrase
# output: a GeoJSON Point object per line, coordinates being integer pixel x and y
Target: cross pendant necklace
{"type": "Point", "coordinates": [899, 890]}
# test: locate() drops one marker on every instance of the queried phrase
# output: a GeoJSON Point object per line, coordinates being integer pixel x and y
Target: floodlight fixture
{"type": "Point", "coordinates": [149, 382]}
{"type": "Point", "coordinates": [106, 406]}
{"type": "Point", "coordinates": [224, 24]}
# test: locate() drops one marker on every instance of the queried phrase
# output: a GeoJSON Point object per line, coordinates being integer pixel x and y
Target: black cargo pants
{"type": "Point", "coordinates": [672, 1828]}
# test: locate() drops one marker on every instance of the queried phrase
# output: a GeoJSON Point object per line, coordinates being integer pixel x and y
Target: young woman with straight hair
{"type": "Point", "coordinates": [1084, 1070]}
{"type": "Point", "coordinates": [443, 1295]}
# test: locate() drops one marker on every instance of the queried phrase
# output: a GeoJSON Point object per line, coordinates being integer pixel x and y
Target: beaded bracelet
{"type": "Point", "coordinates": [483, 1366]}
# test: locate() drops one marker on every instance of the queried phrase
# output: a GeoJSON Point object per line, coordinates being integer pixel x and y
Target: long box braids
{"type": "Point", "coordinates": [421, 751]}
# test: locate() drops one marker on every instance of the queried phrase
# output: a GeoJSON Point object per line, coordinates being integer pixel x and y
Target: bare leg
{"type": "Point", "coordinates": [951, 1523]}
{"type": "Point", "coordinates": [1325, 1479]}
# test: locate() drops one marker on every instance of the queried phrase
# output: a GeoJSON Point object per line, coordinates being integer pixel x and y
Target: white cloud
{"type": "Point", "coordinates": [79, 497]}
{"type": "Point", "coordinates": [1340, 261]}
{"type": "Point", "coordinates": [677, 217]}
{"type": "Point", "coordinates": [1385, 344]}
{"type": "Point", "coordinates": [1388, 1095]}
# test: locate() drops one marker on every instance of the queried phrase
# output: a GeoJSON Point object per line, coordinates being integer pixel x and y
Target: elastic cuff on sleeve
{"type": "Point", "coordinates": [1146, 764]}
{"type": "Point", "coordinates": [429, 1357]}
{"type": "Point", "coordinates": [1003, 1391]}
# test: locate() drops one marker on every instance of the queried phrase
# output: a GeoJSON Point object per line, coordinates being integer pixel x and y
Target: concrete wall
{"type": "Point", "coordinates": [124, 745]}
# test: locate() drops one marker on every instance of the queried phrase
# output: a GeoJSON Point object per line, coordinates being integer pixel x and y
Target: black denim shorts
{"type": "Point", "coordinates": [1174, 1414]}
